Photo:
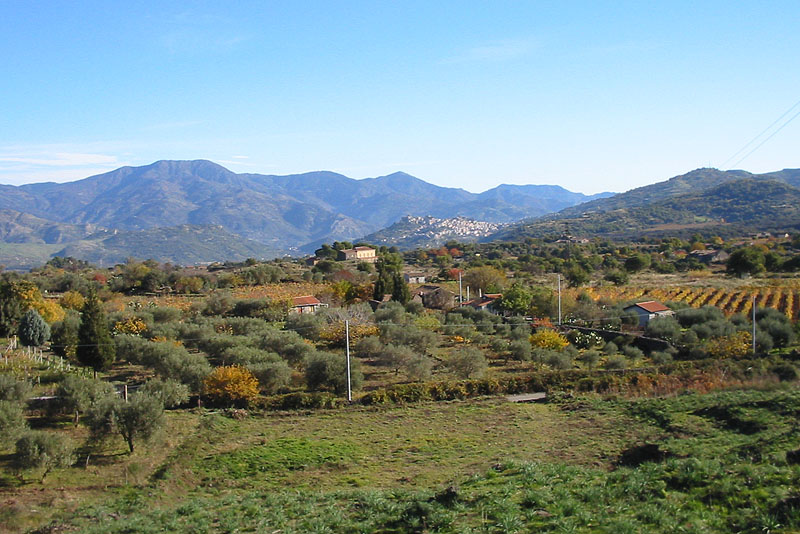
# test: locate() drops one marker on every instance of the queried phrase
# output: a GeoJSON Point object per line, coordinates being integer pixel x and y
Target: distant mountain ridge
{"type": "Point", "coordinates": [722, 201]}
{"type": "Point", "coordinates": [285, 213]}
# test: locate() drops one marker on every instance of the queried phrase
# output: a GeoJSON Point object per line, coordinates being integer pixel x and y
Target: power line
{"type": "Point", "coordinates": [753, 140]}
{"type": "Point", "coordinates": [784, 125]}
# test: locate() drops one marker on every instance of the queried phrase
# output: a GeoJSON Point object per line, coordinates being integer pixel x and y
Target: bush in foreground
{"type": "Point", "coordinates": [231, 385]}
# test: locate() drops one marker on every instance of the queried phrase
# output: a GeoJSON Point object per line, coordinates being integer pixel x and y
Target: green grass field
{"type": "Point", "coordinates": [720, 462]}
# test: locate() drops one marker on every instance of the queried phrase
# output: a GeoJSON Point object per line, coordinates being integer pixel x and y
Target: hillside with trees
{"type": "Point", "coordinates": [125, 384]}
{"type": "Point", "coordinates": [732, 208]}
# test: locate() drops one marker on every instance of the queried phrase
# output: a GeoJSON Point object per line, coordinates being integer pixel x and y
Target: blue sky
{"type": "Point", "coordinates": [592, 96]}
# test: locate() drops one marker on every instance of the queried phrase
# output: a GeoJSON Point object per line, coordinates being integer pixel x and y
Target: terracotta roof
{"type": "Point", "coordinates": [307, 300]}
{"type": "Point", "coordinates": [363, 248]}
{"type": "Point", "coordinates": [652, 306]}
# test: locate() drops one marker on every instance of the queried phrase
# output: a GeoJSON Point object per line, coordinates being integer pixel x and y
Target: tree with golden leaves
{"type": "Point", "coordinates": [545, 338]}
{"type": "Point", "coordinates": [231, 385]}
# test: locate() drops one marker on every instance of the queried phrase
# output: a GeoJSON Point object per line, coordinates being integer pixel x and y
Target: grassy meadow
{"type": "Point", "coordinates": [726, 461]}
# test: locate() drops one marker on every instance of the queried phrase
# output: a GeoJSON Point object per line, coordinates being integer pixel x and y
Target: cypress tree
{"type": "Point", "coordinates": [400, 291]}
{"type": "Point", "coordinates": [384, 285]}
{"type": "Point", "coordinates": [33, 330]}
{"type": "Point", "coordinates": [95, 346]}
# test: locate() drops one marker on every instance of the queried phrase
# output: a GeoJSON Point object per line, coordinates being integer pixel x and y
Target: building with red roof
{"type": "Point", "coordinates": [649, 309]}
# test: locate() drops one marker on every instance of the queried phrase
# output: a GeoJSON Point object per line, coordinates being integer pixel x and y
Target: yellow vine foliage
{"type": "Point", "coordinates": [132, 325]}
{"type": "Point", "coordinates": [737, 345]}
{"type": "Point", "coordinates": [231, 384]}
{"type": "Point", "coordinates": [548, 339]}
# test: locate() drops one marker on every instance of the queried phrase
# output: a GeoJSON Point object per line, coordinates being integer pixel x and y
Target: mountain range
{"type": "Point", "coordinates": [725, 202]}
{"type": "Point", "coordinates": [198, 211]}
{"type": "Point", "coordinates": [291, 214]}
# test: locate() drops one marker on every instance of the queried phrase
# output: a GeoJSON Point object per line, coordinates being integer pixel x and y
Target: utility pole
{"type": "Point", "coordinates": [347, 347]}
{"type": "Point", "coordinates": [754, 325]}
{"type": "Point", "coordinates": [460, 295]}
{"type": "Point", "coordinates": [559, 300]}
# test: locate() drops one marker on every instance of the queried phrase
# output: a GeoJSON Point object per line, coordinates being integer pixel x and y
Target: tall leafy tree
{"type": "Point", "coordinates": [95, 346]}
{"type": "Point", "coordinates": [10, 308]}
{"type": "Point", "coordinates": [747, 260]}
{"type": "Point", "coordinates": [516, 300]}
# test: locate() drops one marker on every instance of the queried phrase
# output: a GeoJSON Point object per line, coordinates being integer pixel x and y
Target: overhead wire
{"type": "Point", "coordinates": [754, 139]}
{"type": "Point", "coordinates": [569, 322]}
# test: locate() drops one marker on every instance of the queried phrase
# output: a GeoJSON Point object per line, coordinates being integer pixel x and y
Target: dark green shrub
{"type": "Point", "coordinates": [64, 335]}
{"type": "Point", "coordinates": [138, 419]}
{"type": "Point", "coordinates": [12, 423]}
{"type": "Point", "coordinates": [632, 353]}
{"type": "Point", "coordinates": [307, 325]}
{"type": "Point", "coordinates": [559, 360]}
{"type": "Point", "coordinates": [219, 303]}
{"type": "Point", "coordinates": [661, 357]}
{"type": "Point", "coordinates": [610, 348]}
{"type": "Point", "coordinates": [691, 316]}
{"type": "Point", "coordinates": [77, 395]}
{"type": "Point", "coordinates": [245, 355]}
{"type": "Point", "coordinates": [170, 393]}
{"type": "Point", "coordinates": [272, 376]}
{"type": "Point", "coordinates": [303, 401]}
{"type": "Point", "coordinates": [616, 361]}
{"type": "Point", "coordinates": [520, 350]}
{"type": "Point", "coordinates": [418, 367]}
{"type": "Point", "coordinates": [44, 450]}
{"type": "Point", "coordinates": [164, 314]}
{"type": "Point", "coordinates": [467, 362]}
{"type": "Point", "coordinates": [14, 390]}
{"type": "Point", "coordinates": [368, 347]}
{"type": "Point", "coordinates": [325, 370]}
{"type": "Point", "coordinates": [663, 327]}
{"type": "Point", "coordinates": [590, 358]}
{"type": "Point", "coordinates": [786, 372]}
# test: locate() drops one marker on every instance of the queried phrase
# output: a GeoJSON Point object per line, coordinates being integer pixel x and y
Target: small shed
{"type": "Point", "coordinates": [649, 310]}
{"type": "Point", "coordinates": [414, 278]}
{"type": "Point", "coordinates": [306, 304]}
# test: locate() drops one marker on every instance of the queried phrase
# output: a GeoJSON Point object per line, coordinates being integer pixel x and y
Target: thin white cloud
{"type": "Point", "coordinates": [240, 163]}
{"type": "Point", "coordinates": [499, 51]}
{"type": "Point", "coordinates": [59, 159]}
{"type": "Point", "coordinates": [192, 31]}
{"type": "Point", "coordinates": [20, 165]}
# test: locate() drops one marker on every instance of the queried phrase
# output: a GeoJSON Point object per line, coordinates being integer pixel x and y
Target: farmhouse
{"type": "Point", "coordinates": [365, 254]}
{"type": "Point", "coordinates": [485, 302]}
{"type": "Point", "coordinates": [710, 256]}
{"type": "Point", "coordinates": [649, 310]}
{"type": "Point", "coordinates": [434, 297]}
{"type": "Point", "coordinates": [306, 304]}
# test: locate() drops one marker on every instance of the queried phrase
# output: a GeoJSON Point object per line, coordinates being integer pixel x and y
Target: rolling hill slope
{"type": "Point", "coordinates": [731, 207]}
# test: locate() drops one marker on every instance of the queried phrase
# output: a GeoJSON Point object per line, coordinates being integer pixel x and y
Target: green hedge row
{"type": "Point", "coordinates": [548, 381]}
